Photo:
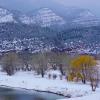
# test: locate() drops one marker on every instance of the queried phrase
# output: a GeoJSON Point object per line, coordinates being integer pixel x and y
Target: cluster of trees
{"type": "Point", "coordinates": [38, 62]}
{"type": "Point", "coordinates": [84, 68]}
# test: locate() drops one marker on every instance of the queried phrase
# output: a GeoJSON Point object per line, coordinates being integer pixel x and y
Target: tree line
{"type": "Point", "coordinates": [38, 62]}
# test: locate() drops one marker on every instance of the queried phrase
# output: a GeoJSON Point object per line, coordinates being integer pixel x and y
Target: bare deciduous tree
{"type": "Point", "coordinates": [10, 62]}
{"type": "Point", "coordinates": [39, 62]}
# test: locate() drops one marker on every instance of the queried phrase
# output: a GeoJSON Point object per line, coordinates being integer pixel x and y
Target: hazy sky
{"type": "Point", "coordinates": [26, 5]}
{"type": "Point", "coordinates": [93, 5]}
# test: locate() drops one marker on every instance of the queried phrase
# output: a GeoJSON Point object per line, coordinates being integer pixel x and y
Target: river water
{"type": "Point", "coordinates": [12, 94]}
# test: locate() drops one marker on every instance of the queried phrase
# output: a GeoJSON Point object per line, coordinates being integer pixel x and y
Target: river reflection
{"type": "Point", "coordinates": [10, 94]}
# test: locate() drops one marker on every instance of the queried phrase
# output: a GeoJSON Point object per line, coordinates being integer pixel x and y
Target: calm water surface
{"type": "Point", "coordinates": [11, 94]}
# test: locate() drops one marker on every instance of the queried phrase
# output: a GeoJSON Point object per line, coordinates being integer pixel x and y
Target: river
{"type": "Point", "coordinates": [12, 94]}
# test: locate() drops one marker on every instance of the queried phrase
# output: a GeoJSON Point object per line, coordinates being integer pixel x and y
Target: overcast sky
{"type": "Point", "coordinates": [26, 5]}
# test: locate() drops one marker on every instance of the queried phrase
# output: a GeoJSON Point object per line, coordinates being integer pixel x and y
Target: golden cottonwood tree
{"type": "Point", "coordinates": [83, 64]}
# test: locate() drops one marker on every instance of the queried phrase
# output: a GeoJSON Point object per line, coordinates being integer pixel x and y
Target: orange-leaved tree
{"type": "Point", "coordinates": [83, 64]}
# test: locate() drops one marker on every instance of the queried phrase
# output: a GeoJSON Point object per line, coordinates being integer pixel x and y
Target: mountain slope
{"type": "Point", "coordinates": [44, 17]}
{"type": "Point", "coordinates": [6, 16]}
{"type": "Point", "coordinates": [47, 17]}
{"type": "Point", "coordinates": [47, 28]}
{"type": "Point", "coordinates": [86, 18]}
{"type": "Point", "coordinates": [76, 16]}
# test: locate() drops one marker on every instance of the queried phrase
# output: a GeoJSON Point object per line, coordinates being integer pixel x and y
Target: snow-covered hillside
{"type": "Point", "coordinates": [6, 16]}
{"type": "Point", "coordinates": [46, 17]}
{"type": "Point", "coordinates": [43, 17]}
{"type": "Point", "coordinates": [27, 19]}
{"type": "Point", "coordinates": [17, 25]}
{"type": "Point", "coordinates": [86, 18]}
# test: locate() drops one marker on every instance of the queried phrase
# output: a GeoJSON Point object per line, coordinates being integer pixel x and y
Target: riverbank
{"type": "Point", "coordinates": [29, 81]}
{"type": "Point", "coordinates": [95, 96]}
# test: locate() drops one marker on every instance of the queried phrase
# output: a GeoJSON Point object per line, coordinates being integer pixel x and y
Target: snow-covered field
{"type": "Point", "coordinates": [95, 96]}
{"type": "Point", "coordinates": [28, 80]}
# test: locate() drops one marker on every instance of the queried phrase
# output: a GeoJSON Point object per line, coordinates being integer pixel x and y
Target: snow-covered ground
{"type": "Point", "coordinates": [95, 96]}
{"type": "Point", "coordinates": [28, 80]}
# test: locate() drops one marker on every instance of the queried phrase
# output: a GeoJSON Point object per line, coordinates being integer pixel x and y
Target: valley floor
{"type": "Point", "coordinates": [27, 80]}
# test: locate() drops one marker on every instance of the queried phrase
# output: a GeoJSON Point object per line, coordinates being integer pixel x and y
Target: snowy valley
{"type": "Point", "coordinates": [50, 50]}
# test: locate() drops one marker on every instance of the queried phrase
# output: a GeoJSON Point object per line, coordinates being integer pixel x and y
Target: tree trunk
{"type": "Point", "coordinates": [84, 78]}
{"type": "Point", "coordinates": [61, 69]}
{"type": "Point", "coordinates": [84, 81]}
{"type": "Point", "coordinates": [42, 73]}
